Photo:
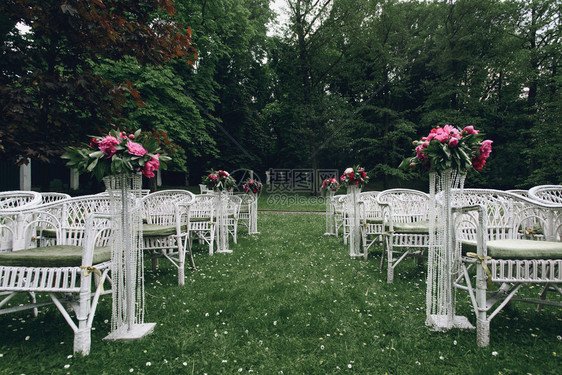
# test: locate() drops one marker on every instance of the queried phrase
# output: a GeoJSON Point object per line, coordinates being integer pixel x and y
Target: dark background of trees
{"type": "Point", "coordinates": [346, 82]}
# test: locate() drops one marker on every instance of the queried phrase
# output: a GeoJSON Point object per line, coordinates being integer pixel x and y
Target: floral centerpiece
{"type": "Point", "coordinates": [355, 176]}
{"type": "Point", "coordinates": [219, 180]}
{"type": "Point", "coordinates": [252, 186]}
{"type": "Point", "coordinates": [330, 184]}
{"type": "Point", "coordinates": [450, 148]}
{"type": "Point", "coordinates": [117, 153]}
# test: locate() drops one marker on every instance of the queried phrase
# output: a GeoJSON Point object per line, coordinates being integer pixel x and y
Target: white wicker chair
{"type": "Point", "coordinates": [63, 270]}
{"type": "Point", "coordinates": [203, 220]}
{"type": "Point", "coordinates": [166, 231]}
{"type": "Point", "coordinates": [406, 222]}
{"type": "Point", "coordinates": [372, 227]}
{"type": "Point", "coordinates": [511, 241]}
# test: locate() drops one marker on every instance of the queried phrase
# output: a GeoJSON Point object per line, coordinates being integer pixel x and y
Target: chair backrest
{"type": "Point", "coordinates": [65, 219]}
{"type": "Point", "coordinates": [404, 205]}
{"type": "Point", "coordinates": [370, 208]}
{"type": "Point", "coordinates": [510, 216]}
{"type": "Point", "coordinates": [234, 204]}
{"type": "Point", "coordinates": [162, 207]}
{"type": "Point", "coordinates": [547, 194]}
{"type": "Point", "coordinates": [17, 199]}
{"type": "Point", "coordinates": [204, 206]}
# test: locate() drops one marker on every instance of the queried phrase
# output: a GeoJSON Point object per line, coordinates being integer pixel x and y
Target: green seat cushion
{"type": "Point", "coordinates": [244, 208]}
{"type": "Point", "coordinates": [373, 221]}
{"type": "Point", "coordinates": [156, 230]}
{"type": "Point", "coordinates": [518, 249]}
{"type": "Point", "coordinates": [199, 219]}
{"type": "Point", "coordinates": [419, 227]}
{"type": "Point", "coordinates": [52, 256]}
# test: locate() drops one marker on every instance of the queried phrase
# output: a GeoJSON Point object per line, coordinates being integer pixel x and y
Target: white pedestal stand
{"type": "Point", "coordinates": [127, 321]}
{"type": "Point", "coordinates": [253, 215]}
{"type": "Point", "coordinates": [330, 227]}
{"type": "Point", "coordinates": [443, 256]}
{"type": "Point", "coordinates": [222, 223]}
{"type": "Point", "coordinates": [354, 222]}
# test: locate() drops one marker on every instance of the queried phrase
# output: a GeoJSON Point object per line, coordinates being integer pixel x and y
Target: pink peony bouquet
{"type": "Point", "coordinates": [252, 186]}
{"type": "Point", "coordinates": [354, 176]}
{"type": "Point", "coordinates": [330, 184]}
{"type": "Point", "coordinates": [450, 148]}
{"type": "Point", "coordinates": [117, 153]}
{"type": "Point", "coordinates": [219, 180]}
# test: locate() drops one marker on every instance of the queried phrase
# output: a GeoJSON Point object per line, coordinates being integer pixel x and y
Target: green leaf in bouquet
{"type": "Point", "coordinates": [92, 165]}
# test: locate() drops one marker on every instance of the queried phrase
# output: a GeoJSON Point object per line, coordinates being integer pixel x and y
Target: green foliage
{"type": "Point", "coordinates": [51, 95]}
{"type": "Point", "coordinates": [167, 106]}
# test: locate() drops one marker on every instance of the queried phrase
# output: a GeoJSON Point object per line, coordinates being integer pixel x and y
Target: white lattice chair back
{"type": "Point", "coordinates": [370, 207]}
{"type": "Point", "coordinates": [161, 207]}
{"type": "Point", "coordinates": [234, 204]}
{"type": "Point", "coordinates": [547, 194]}
{"type": "Point", "coordinates": [405, 205]}
{"type": "Point", "coordinates": [17, 200]}
{"type": "Point", "coordinates": [511, 215]}
{"type": "Point", "coordinates": [74, 211]}
{"type": "Point", "coordinates": [500, 210]}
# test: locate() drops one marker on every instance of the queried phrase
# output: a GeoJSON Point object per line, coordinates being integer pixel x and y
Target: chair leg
{"type": "Point", "coordinates": [389, 261]}
{"type": "Point", "coordinates": [482, 321]}
{"type": "Point", "coordinates": [482, 332]}
{"type": "Point", "coordinates": [82, 331]}
{"type": "Point", "coordinates": [32, 299]}
{"type": "Point", "coordinates": [82, 340]}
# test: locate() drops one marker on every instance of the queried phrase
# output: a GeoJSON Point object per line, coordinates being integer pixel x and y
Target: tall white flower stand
{"type": "Point", "coordinates": [253, 214]}
{"type": "Point", "coordinates": [443, 256]}
{"type": "Point", "coordinates": [222, 222]}
{"type": "Point", "coordinates": [330, 211]}
{"type": "Point", "coordinates": [127, 321]}
{"type": "Point", "coordinates": [353, 212]}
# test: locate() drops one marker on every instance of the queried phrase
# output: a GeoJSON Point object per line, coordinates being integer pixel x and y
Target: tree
{"type": "Point", "coordinates": [50, 94]}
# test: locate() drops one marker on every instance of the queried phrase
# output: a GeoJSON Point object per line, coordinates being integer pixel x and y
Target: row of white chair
{"type": "Point", "coordinates": [53, 243]}
{"type": "Point", "coordinates": [511, 238]}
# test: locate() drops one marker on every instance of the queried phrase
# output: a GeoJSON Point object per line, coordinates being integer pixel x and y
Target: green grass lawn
{"type": "Point", "coordinates": [287, 301]}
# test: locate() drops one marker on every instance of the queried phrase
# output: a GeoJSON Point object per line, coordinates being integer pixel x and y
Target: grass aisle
{"type": "Point", "coordinates": [287, 301]}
